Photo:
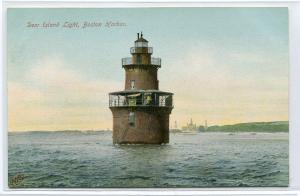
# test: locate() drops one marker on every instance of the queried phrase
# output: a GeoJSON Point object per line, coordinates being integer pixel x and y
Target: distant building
{"type": "Point", "coordinates": [205, 126]}
{"type": "Point", "coordinates": [175, 129]}
{"type": "Point", "coordinates": [190, 127]}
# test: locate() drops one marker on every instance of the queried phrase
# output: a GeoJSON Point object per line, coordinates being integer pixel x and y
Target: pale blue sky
{"type": "Point", "coordinates": [225, 65]}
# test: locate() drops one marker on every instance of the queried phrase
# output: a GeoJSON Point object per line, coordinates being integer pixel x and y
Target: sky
{"type": "Point", "coordinates": [224, 65]}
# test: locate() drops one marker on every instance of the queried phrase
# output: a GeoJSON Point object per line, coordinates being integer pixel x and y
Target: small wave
{"type": "Point", "coordinates": [134, 177]}
{"type": "Point", "coordinates": [48, 177]}
{"type": "Point", "coordinates": [267, 174]}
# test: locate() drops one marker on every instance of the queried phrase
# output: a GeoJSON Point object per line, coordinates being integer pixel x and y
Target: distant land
{"type": "Point", "coordinates": [264, 127]}
{"type": "Point", "coordinates": [276, 126]}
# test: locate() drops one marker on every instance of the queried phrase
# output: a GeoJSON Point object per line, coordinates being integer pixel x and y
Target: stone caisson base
{"type": "Point", "coordinates": [151, 125]}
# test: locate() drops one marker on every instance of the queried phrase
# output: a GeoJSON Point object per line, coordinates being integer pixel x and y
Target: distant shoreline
{"type": "Point", "coordinates": [276, 126]}
{"type": "Point", "coordinates": [255, 127]}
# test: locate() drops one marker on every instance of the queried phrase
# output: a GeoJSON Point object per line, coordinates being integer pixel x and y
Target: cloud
{"type": "Point", "coordinates": [53, 96]}
{"type": "Point", "coordinates": [208, 84]}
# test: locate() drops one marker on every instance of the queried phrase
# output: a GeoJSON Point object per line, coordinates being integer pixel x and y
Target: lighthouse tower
{"type": "Point", "coordinates": [141, 111]}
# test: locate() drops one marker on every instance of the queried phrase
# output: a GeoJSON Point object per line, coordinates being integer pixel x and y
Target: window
{"type": "Point", "coordinates": [131, 118]}
{"type": "Point", "coordinates": [138, 59]}
{"type": "Point", "coordinates": [132, 84]}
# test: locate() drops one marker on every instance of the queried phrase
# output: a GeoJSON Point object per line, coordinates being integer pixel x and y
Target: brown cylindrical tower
{"type": "Point", "coordinates": [141, 112]}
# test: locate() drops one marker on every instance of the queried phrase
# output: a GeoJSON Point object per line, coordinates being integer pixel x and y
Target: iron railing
{"type": "Point", "coordinates": [128, 61]}
{"type": "Point", "coordinates": [156, 61]}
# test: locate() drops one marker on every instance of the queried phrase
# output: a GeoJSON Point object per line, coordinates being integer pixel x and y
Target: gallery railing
{"type": "Point", "coordinates": [128, 61]}
{"type": "Point", "coordinates": [155, 61]}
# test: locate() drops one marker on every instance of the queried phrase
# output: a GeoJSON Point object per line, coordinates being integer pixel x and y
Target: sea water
{"type": "Point", "coordinates": [88, 159]}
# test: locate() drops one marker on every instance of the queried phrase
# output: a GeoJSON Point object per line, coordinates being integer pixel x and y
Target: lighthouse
{"type": "Point", "coordinates": [141, 111]}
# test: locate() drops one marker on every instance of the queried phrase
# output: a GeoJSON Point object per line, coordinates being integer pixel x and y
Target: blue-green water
{"type": "Point", "coordinates": [89, 160]}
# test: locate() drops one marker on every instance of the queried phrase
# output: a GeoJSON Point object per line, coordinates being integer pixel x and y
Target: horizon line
{"type": "Point", "coordinates": [109, 130]}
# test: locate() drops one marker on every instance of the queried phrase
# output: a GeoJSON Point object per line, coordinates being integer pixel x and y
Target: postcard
{"type": "Point", "coordinates": [169, 97]}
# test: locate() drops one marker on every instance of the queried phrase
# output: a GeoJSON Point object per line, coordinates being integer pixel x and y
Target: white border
{"type": "Point", "coordinates": [294, 96]}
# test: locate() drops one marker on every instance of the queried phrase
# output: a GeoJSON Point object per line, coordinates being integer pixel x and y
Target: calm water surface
{"type": "Point", "coordinates": [89, 160]}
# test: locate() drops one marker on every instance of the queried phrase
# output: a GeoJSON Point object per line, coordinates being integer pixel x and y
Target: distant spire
{"type": "Point", "coordinates": [138, 35]}
{"type": "Point", "coordinates": [141, 34]}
